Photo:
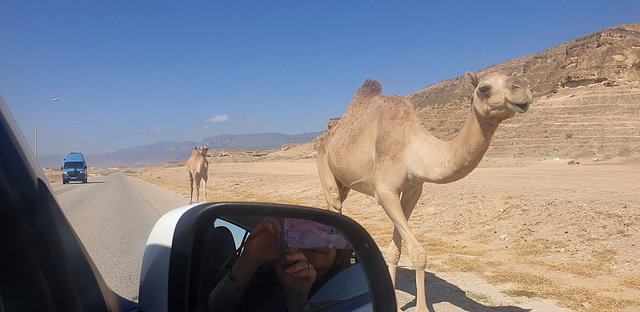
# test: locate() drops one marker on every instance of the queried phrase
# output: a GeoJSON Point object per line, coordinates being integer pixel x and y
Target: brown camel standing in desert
{"type": "Point", "coordinates": [198, 168]}
{"type": "Point", "coordinates": [380, 148]}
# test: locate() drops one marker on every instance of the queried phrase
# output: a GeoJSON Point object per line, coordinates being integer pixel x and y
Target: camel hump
{"type": "Point", "coordinates": [370, 87]}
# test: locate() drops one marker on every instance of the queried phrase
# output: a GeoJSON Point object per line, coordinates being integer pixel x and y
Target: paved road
{"type": "Point", "coordinates": [113, 216]}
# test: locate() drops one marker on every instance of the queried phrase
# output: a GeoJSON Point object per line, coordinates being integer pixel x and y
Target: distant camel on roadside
{"type": "Point", "coordinates": [198, 168]}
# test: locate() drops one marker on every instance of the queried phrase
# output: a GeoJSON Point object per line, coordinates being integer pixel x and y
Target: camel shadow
{"type": "Point", "coordinates": [439, 290]}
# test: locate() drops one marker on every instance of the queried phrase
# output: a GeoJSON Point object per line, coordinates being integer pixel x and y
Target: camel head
{"type": "Point", "coordinates": [202, 150]}
{"type": "Point", "coordinates": [497, 97]}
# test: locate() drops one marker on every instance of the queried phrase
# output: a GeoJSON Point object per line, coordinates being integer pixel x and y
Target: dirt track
{"type": "Point", "coordinates": [550, 230]}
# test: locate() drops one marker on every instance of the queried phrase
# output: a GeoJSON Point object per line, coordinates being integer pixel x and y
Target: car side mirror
{"type": "Point", "coordinates": [185, 256]}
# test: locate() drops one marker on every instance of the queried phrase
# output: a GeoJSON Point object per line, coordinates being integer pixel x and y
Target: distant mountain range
{"type": "Point", "coordinates": [257, 140]}
{"type": "Point", "coordinates": [172, 151]}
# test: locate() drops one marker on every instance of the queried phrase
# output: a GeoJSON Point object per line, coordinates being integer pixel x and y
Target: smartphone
{"type": "Point", "coordinates": [302, 233]}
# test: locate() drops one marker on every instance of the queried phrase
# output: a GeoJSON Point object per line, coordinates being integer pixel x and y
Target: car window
{"type": "Point", "coordinates": [239, 234]}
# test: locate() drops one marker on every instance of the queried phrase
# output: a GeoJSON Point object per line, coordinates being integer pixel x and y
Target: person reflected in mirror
{"type": "Point", "coordinates": [246, 287]}
{"type": "Point", "coordinates": [327, 262]}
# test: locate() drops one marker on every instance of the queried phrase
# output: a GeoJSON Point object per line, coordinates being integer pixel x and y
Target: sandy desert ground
{"type": "Point", "coordinates": [546, 230]}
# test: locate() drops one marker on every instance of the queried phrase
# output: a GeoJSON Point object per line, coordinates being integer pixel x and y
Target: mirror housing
{"type": "Point", "coordinates": [172, 264]}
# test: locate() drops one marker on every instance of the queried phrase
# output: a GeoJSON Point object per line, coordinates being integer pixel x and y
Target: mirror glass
{"type": "Point", "coordinates": [255, 263]}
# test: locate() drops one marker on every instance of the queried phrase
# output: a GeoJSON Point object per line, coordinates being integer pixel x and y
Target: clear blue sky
{"type": "Point", "coordinates": [132, 73]}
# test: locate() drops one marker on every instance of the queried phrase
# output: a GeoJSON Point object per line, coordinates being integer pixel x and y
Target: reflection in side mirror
{"type": "Point", "coordinates": [282, 263]}
{"type": "Point", "coordinates": [228, 255]}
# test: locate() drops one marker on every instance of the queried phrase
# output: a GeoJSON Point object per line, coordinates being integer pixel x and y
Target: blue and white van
{"type": "Point", "coordinates": [74, 168]}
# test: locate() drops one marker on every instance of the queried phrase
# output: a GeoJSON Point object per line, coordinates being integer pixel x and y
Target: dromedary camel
{"type": "Point", "coordinates": [380, 148]}
{"type": "Point", "coordinates": [198, 168]}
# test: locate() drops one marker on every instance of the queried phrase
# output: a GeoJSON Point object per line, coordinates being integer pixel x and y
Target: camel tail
{"type": "Point", "coordinates": [370, 87]}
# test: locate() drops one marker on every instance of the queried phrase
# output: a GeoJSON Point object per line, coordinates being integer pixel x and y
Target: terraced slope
{"type": "Point", "coordinates": [587, 101]}
{"type": "Point", "coordinates": [587, 123]}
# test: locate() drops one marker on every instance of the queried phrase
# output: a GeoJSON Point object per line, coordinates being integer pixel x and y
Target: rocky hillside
{"type": "Point", "coordinates": [587, 101]}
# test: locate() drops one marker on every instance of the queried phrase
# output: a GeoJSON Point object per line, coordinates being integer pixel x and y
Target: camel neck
{"type": "Point", "coordinates": [450, 161]}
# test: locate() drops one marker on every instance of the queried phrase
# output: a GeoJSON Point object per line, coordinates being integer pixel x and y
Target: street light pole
{"type": "Point", "coordinates": [68, 137]}
{"type": "Point", "coordinates": [36, 122]}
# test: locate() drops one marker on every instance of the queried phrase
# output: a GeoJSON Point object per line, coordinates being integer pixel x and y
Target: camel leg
{"type": "Point", "coordinates": [330, 186]}
{"type": "Point", "coordinates": [204, 178]}
{"type": "Point", "coordinates": [390, 201]}
{"type": "Point", "coordinates": [335, 196]}
{"type": "Point", "coordinates": [191, 185]}
{"type": "Point", "coordinates": [393, 255]}
{"type": "Point", "coordinates": [198, 188]}
{"type": "Point", "coordinates": [410, 198]}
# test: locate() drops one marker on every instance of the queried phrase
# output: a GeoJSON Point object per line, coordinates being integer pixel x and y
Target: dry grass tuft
{"type": "Point", "coordinates": [633, 282]}
{"type": "Point", "coordinates": [518, 292]}
{"type": "Point", "coordinates": [519, 278]}
{"type": "Point", "coordinates": [583, 299]}
{"type": "Point", "coordinates": [598, 265]}
{"type": "Point", "coordinates": [573, 297]}
{"type": "Point", "coordinates": [465, 264]}
{"type": "Point", "coordinates": [478, 297]}
{"type": "Point", "coordinates": [528, 246]}
{"type": "Point", "coordinates": [482, 238]}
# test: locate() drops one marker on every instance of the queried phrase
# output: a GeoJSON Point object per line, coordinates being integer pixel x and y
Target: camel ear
{"type": "Point", "coordinates": [472, 78]}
